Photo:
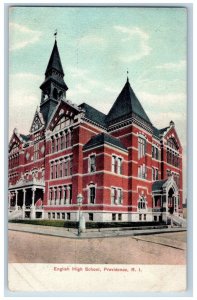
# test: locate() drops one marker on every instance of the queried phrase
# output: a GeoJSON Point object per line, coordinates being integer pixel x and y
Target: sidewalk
{"type": "Point", "coordinates": [72, 233]}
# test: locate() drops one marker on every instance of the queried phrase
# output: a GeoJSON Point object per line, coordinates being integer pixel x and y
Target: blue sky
{"type": "Point", "coordinates": [97, 46]}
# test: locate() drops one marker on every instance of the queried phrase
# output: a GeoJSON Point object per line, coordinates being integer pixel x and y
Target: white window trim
{"type": "Point", "coordinates": [89, 160]}
{"type": "Point", "coordinates": [88, 187]}
{"type": "Point", "coordinates": [116, 195]}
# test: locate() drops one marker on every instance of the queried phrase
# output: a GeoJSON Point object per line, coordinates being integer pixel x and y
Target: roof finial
{"type": "Point", "coordinates": [55, 34]}
{"type": "Point", "coordinates": [127, 75]}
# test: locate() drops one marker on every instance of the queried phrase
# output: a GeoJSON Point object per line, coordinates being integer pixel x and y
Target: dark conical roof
{"type": "Point", "coordinates": [54, 61]}
{"type": "Point", "coordinates": [125, 104]}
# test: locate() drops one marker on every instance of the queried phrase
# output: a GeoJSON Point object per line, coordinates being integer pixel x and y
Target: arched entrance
{"type": "Point", "coordinates": [171, 201]}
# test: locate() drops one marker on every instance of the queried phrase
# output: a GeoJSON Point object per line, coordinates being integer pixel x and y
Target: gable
{"type": "Point", "coordinates": [171, 137]}
{"type": "Point", "coordinates": [63, 116]}
{"type": "Point", "coordinates": [15, 141]}
{"type": "Point", "coordinates": [37, 123]}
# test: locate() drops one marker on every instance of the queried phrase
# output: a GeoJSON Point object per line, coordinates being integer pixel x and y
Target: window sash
{"type": "Point", "coordinates": [92, 195]}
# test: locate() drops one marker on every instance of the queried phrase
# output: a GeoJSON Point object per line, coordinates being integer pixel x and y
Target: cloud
{"type": "Point", "coordinates": [167, 98]}
{"type": "Point", "coordinates": [22, 36]}
{"type": "Point", "coordinates": [173, 66]}
{"type": "Point", "coordinates": [165, 102]}
{"type": "Point", "coordinates": [26, 76]}
{"type": "Point", "coordinates": [92, 40]}
{"type": "Point", "coordinates": [77, 72]}
{"type": "Point", "coordinates": [136, 39]}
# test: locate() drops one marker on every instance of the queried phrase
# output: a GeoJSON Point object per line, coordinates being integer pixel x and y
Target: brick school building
{"type": "Point", "coordinates": [125, 168]}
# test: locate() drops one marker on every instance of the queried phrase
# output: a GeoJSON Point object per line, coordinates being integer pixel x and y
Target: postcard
{"type": "Point", "coordinates": [97, 195]}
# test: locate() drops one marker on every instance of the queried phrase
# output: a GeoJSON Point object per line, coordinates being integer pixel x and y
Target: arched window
{"type": "Point", "coordinates": [142, 203]}
{"type": "Point", "coordinates": [172, 143]}
{"type": "Point", "coordinates": [172, 154]}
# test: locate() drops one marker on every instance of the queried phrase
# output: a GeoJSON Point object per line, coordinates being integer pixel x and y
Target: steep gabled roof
{"type": "Point", "coordinates": [104, 138]}
{"type": "Point", "coordinates": [55, 61]}
{"type": "Point", "coordinates": [125, 104]}
{"type": "Point", "coordinates": [93, 114]}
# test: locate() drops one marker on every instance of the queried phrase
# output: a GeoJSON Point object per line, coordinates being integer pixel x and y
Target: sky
{"type": "Point", "coordinates": [97, 46]}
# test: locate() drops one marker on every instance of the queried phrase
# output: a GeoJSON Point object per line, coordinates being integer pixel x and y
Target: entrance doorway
{"type": "Point", "coordinates": [171, 201]}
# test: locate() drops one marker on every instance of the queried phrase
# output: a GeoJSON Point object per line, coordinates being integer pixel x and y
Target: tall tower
{"type": "Point", "coordinates": [53, 88]}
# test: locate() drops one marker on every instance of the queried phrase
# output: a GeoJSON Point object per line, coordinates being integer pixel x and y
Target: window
{"type": "Point", "coordinates": [49, 216]}
{"type": "Point", "coordinates": [172, 155]}
{"type": "Point", "coordinates": [141, 147]}
{"type": "Point", "coordinates": [113, 164]}
{"type": "Point", "coordinates": [142, 203]}
{"type": "Point", "coordinates": [57, 144]}
{"type": "Point", "coordinates": [50, 196]}
{"type": "Point", "coordinates": [36, 151]}
{"type": "Point", "coordinates": [60, 169]}
{"type": "Point", "coordinates": [56, 171]}
{"type": "Point", "coordinates": [62, 142]}
{"type": "Point", "coordinates": [144, 217]}
{"type": "Point", "coordinates": [119, 166]}
{"type": "Point", "coordinates": [51, 170]}
{"type": "Point", "coordinates": [155, 174]}
{"type": "Point", "coordinates": [92, 194]}
{"type": "Point", "coordinates": [90, 216]}
{"type": "Point", "coordinates": [116, 164]}
{"type": "Point", "coordinates": [155, 152]}
{"type": "Point", "coordinates": [68, 216]}
{"type": "Point", "coordinates": [60, 195]}
{"type": "Point", "coordinates": [113, 195]}
{"type": "Point", "coordinates": [53, 214]}
{"type": "Point", "coordinates": [63, 216]}
{"type": "Point", "coordinates": [55, 196]}
{"type": "Point", "coordinates": [142, 171]}
{"type": "Point", "coordinates": [67, 139]}
{"type": "Point", "coordinates": [92, 163]}
{"type": "Point", "coordinates": [52, 145]}
{"type": "Point", "coordinates": [140, 217]}
{"type": "Point", "coordinates": [113, 217]}
{"type": "Point", "coordinates": [116, 196]}
{"type": "Point", "coordinates": [58, 215]}
{"type": "Point", "coordinates": [119, 217]}
{"type": "Point", "coordinates": [70, 195]}
{"type": "Point", "coordinates": [71, 167]}
{"type": "Point", "coordinates": [119, 196]}
{"type": "Point", "coordinates": [66, 168]}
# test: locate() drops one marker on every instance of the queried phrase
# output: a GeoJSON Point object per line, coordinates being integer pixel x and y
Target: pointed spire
{"type": "Point", "coordinates": [126, 103]}
{"type": "Point", "coordinates": [55, 61]}
{"type": "Point", "coordinates": [127, 75]}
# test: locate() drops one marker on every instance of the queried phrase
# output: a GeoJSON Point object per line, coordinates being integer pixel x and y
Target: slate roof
{"type": "Point", "coordinates": [104, 138]}
{"type": "Point", "coordinates": [157, 185]}
{"type": "Point", "coordinates": [125, 104]}
{"type": "Point", "coordinates": [25, 137]}
{"type": "Point", "coordinates": [54, 61]}
{"type": "Point", "coordinates": [157, 132]}
{"type": "Point", "coordinates": [47, 109]}
{"type": "Point", "coordinates": [58, 80]}
{"type": "Point", "coordinates": [93, 114]}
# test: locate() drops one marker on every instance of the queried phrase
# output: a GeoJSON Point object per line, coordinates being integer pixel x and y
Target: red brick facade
{"type": "Point", "coordinates": [125, 168]}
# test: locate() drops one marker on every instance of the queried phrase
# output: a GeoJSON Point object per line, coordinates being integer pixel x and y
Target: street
{"type": "Point", "coordinates": [165, 248]}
